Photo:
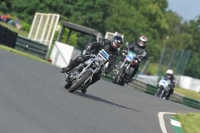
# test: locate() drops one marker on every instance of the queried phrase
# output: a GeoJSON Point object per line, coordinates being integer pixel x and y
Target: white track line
{"type": "Point", "coordinates": [161, 120]}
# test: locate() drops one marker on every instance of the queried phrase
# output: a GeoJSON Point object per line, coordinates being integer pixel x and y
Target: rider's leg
{"type": "Point", "coordinates": [169, 93]}
{"type": "Point", "coordinates": [74, 63]}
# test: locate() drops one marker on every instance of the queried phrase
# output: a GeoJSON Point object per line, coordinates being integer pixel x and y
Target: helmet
{"type": "Point", "coordinates": [116, 41]}
{"type": "Point", "coordinates": [169, 73]}
{"type": "Point", "coordinates": [142, 39]}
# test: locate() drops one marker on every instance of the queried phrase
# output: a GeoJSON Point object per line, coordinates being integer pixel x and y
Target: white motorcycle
{"type": "Point", "coordinates": [163, 87]}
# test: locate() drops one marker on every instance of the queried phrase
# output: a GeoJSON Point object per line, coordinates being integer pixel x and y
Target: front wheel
{"type": "Point", "coordinates": [80, 82]}
{"type": "Point", "coordinates": [158, 92]}
{"type": "Point", "coordinates": [118, 78]}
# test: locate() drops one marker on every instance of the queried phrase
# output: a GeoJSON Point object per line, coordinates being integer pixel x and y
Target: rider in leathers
{"type": "Point", "coordinates": [141, 50]}
{"type": "Point", "coordinates": [170, 75]}
{"type": "Point", "coordinates": [110, 46]}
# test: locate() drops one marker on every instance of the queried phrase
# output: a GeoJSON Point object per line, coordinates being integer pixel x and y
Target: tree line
{"type": "Point", "coordinates": [133, 18]}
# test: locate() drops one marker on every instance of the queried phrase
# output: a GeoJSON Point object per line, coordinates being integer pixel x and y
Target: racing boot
{"type": "Point", "coordinates": [84, 89]}
{"type": "Point", "coordinates": [68, 68]}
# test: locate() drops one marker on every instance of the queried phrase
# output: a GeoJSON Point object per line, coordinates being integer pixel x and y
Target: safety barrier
{"type": "Point", "coordinates": [150, 89]}
{"type": "Point", "coordinates": [21, 43]}
{"type": "Point", "coordinates": [191, 102]}
{"type": "Point", "coordinates": [7, 37]}
{"type": "Point", "coordinates": [31, 47]}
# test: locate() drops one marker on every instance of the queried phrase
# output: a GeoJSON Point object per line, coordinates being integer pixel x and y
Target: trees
{"type": "Point", "coordinates": [132, 18]}
{"type": "Point", "coordinates": [193, 28]}
{"type": "Point", "coordinates": [5, 6]}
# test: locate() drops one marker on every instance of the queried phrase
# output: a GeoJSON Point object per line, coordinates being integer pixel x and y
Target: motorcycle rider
{"type": "Point", "coordinates": [110, 46]}
{"type": "Point", "coordinates": [140, 49]}
{"type": "Point", "coordinates": [169, 74]}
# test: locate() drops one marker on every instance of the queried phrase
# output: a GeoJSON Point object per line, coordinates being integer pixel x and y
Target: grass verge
{"type": "Point", "coordinates": [188, 93]}
{"type": "Point", "coordinates": [2, 47]}
{"type": "Point", "coordinates": [190, 122]}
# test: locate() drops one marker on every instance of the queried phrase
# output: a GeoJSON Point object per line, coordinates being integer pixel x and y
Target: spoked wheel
{"type": "Point", "coordinates": [118, 78]}
{"type": "Point", "coordinates": [78, 84]}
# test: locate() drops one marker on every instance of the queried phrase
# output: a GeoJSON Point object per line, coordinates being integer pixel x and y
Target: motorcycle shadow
{"type": "Point", "coordinates": [95, 98]}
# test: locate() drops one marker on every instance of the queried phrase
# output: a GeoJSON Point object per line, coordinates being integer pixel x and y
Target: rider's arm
{"type": "Point", "coordinates": [96, 45]}
{"type": "Point", "coordinates": [142, 56]}
{"type": "Point", "coordinates": [173, 82]}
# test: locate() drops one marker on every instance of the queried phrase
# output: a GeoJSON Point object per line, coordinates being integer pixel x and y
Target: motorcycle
{"type": "Point", "coordinates": [163, 87]}
{"type": "Point", "coordinates": [81, 76]}
{"type": "Point", "coordinates": [126, 68]}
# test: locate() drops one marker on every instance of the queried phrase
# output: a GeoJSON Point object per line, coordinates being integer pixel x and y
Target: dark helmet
{"type": "Point", "coordinates": [117, 40]}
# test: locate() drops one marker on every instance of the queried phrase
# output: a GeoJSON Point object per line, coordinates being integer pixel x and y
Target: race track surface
{"type": "Point", "coordinates": [33, 100]}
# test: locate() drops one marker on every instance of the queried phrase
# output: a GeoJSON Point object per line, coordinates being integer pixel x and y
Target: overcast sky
{"type": "Point", "coordinates": [187, 9]}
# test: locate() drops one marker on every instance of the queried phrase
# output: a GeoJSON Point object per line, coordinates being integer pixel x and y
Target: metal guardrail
{"type": "Point", "coordinates": [150, 89]}
{"type": "Point", "coordinates": [31, 47]}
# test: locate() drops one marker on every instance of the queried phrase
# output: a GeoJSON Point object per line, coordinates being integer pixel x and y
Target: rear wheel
{"type": "Point", "coordinates": [80, 82]}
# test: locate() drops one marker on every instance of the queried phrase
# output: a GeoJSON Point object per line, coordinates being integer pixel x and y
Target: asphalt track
{"type": "Point", "coordinates": [33, 100]}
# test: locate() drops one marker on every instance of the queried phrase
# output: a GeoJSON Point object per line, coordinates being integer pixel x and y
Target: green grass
{"type": "Point", "coordinates": [190, 122]}
{"type": "Point", "coordinates": [2, 47]}
{"type": "Point", "coordinates": [188, 93]}
{"type": "Point", "coordinates": [152, 68]}
{"type": "Point", "coordinates": [12, 28]}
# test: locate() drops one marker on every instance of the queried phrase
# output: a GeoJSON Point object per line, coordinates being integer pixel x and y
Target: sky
{"type": "Point", "coordinates": [187, 9]}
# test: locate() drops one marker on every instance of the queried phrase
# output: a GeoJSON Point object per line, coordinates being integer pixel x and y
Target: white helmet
{"type": "Point", "coordinates": [169, 73]}
{"type": "Point", "coordinates": [142, 39]}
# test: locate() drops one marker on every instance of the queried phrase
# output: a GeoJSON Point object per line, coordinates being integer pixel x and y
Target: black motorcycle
{"type": "Point", "coordinates": [124, 69]}
{"type": "Point", "coordinates": [81, 76]}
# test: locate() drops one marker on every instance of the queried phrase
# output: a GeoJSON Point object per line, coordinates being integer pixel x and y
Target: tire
{"type": "Point", "coordinates": [164, 94]}
{"type": "Point", "coordinates": [158, 92]}
{"type": "Point", "coordinates": [117, 78]}
{"type": "Point", "coordinates": [80, 82]}
{"type": "Point", "coordinates": [68, 85]}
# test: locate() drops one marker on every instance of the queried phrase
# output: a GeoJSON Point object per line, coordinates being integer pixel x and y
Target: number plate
{"type": "Point", "coordinates": [104, 54]}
